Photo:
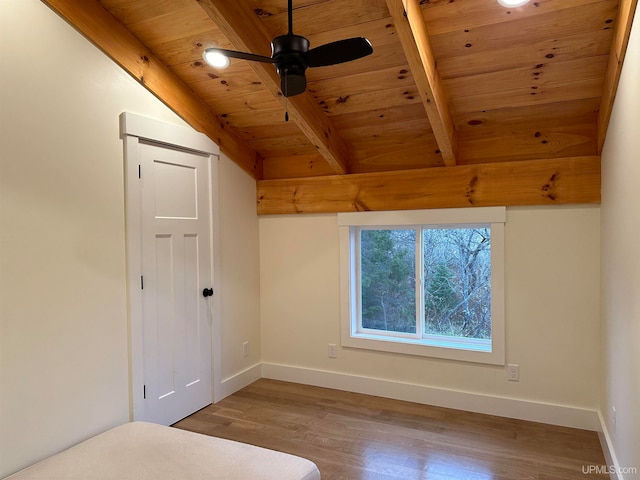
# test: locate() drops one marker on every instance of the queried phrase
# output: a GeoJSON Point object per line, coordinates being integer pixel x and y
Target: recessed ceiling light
{"type": "Point", "coordinates": [215, 58]}
{"type": "Point", "coordinates": [512, 3]}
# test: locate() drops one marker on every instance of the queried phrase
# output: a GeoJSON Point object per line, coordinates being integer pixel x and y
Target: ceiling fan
{"type": "Point", "coordinates": [291, 56]}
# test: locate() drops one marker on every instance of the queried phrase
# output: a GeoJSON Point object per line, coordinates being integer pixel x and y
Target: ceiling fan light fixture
{"type": "Point", "coordinates": [291, 56]}
{"type": "Point", "coordinates": [512, 3]}
{"type": "Point", "coordinates": [215, 58]}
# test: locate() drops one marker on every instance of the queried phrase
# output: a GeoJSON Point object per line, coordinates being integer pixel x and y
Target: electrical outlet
{"type": "Point", "coordinates": [613, 420]}
{"type": "Point", "coordinates": [333, 352]}
{"type": "Point", "coordinates": [245, 349]}
{"type": "Point", "coordinates": [513, 372]}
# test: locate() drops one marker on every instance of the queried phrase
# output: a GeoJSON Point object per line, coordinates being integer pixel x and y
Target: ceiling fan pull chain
{"type": "Point", "coordinates": [286, 98]}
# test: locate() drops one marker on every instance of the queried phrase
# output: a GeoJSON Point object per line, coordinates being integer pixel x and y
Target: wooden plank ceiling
{"type": "Point", "coordinates": [463, 102]}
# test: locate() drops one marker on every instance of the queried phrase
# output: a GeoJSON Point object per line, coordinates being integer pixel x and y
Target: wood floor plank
{"type": "Point", "coordinates": [356, 437]}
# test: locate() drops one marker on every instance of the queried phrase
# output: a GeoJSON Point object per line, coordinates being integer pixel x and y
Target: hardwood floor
{"type": "Point", "coordinates": [357, 437]}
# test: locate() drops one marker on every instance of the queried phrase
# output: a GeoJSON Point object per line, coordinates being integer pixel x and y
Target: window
{"type": "Point", "coordinates": [424, 282]}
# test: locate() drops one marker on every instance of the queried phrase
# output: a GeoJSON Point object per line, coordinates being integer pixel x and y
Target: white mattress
{"type": "Point", "coordinates": [145, 451]}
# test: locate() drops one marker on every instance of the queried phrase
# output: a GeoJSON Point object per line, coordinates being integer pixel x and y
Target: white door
{"type": "Point", "coordinates": [176, 269]}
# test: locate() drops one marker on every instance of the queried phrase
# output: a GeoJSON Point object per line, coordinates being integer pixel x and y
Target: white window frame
{"type": "Point", "coordinates": [480, 351]}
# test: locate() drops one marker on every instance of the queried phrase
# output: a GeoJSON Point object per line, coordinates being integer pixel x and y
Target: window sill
{"type": "Point", "coordinates": [450, 348]}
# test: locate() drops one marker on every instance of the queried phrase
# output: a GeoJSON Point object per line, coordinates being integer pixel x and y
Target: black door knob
{"type": "Point", "coordinates": [207, 292]}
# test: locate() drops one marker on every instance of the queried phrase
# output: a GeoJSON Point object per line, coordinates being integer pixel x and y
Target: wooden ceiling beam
{"type": "Point", "coordinates": [621, 35]}
{"type": "Point", "coordinates": [113, 38]}
{"type": "Point", "coordinates": [572, 180]}
{"type": "Point", "coordinates": [246, 32]}
{"type": "Point", "coordinates": [410, 25]}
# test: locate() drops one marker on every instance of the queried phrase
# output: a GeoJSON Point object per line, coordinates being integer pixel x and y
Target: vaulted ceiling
{"type": "Point", "coordinates": [462, 103]}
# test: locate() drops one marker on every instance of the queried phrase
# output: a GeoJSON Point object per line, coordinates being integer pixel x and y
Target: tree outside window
{"type": "Point", "coordinates": [455, 274]}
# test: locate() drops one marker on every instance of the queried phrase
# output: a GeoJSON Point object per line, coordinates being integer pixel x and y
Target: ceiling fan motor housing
{"type": "Point", "coordinates": [288, 52]}
{"type": "Point", "coordinates": [289, 44]}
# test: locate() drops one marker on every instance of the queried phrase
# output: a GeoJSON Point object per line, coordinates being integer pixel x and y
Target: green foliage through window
{"type": "Point", "coordinates": [453, 276]}
{"type": "Point", "coordinates": [388, 280]}
{"type": "Point", "coordinates": [457, 282]}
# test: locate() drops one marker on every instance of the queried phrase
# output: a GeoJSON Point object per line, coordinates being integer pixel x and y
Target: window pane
{"type": "Point", "coordinates": [457, 282]}
{"type": "Point", "coordinates": [387, 269]}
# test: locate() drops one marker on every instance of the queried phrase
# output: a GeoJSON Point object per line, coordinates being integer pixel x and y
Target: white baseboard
{"type": "Point", "coordinates": [607, 449]}
{"type": "Point", "coordinates": [552, 414]}
{"type": "Point", "coordinates": [238, 381]}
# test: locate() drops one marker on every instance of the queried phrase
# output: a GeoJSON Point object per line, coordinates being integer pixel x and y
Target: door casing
{"type": "Point", "coordinates": [135, 129]}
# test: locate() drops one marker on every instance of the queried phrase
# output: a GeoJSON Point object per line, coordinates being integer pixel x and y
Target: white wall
{"type": "Point", "coordinates": [552, 312]}
{"type": "Point", "coordinates": [240, 290]}
{"type": "Point", "coordinates": [63, 324]}
{"type": "Point", "coordinates": [621, 265]}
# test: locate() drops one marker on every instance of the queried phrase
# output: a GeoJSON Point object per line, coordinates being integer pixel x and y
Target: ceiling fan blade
{"type": "Point", "coordinates": [241, 55]}
{"type": "Point", "coordinates": [338, 52]}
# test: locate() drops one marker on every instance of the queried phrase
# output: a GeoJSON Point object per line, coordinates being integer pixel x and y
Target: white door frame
{"type": "Point", "coordinates": [135, 129]}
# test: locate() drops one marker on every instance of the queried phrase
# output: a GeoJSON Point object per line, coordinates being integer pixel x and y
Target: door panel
{"type": "Point", "coordinates": [176, 267]}
{"type": "Point", "coordinates": [176, 190]}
